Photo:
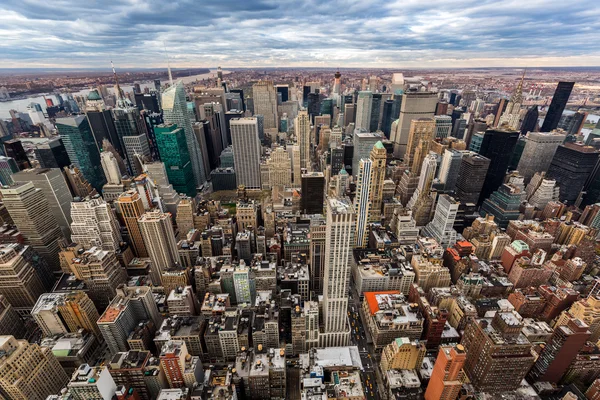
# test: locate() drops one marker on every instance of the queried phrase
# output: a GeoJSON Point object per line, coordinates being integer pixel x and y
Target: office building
{"type": "Point", "coordinates": [132, 131]}
{"type": "Point", "coordinates": [157, 230]}
{"type": "Point", "coordinates": [530, 121]}
{"type": "Point", "coordinates": [504, 204]}
{"type": "Point", "coordinates": [443, 126]}
{"type": "Point", "coordinates": [364, 105]}
{"type": "Point", "coordinates": [559, 102]}
{"type": "Point", "coordinates": [31, 213]}
{"type": "Point", "coordinates": [363, 144]}
{"type": "Point", "coordinates": [421, 133]}
{"type": "Point", "coordinates": [10, 321]}
{"type": "Point", "coordinates": [8, 167]}
{"type": "Point", "coordinates": [559, 351]}
{"type": "Point", "coordinates": [448, 376]}
{"type": "Point", "coordinates": [175, 111]}
{"type": "Point", "coordinates": [498, 354]}
{"type": "Point", "coordinates": [246, 151]}
{"type": "Point", "coordinates": [539, 150]}
{"type": "Point", "coordinates": [82, 149]}
{"type": "Point", "coordinates": [28, 372]}
{"type": "Point", "coordinates": [313, 193]}
{"type": "Point", "coordinates": [264, 97]}
{"type": "Point", "coordinates": [571, 167]}
{"type": "Point", "coordinates": [280, 168]}
{"type": "Point", "coordinates": [52, 154]}
{"type": "Point", "coordinates": [511, 116]}
{"type": "Point", "coordinates": [173, 149]}
{"type": "Point", "coordinates": [95, 225]}
{"type": "Point", "coordinates": [14, 149]}
{"type": "Point", "coordinates": [53, 185]}
{"type": "Point", "coordinates": [24, 278]}
{"type": "Point", "coordinates": [441, 227]}
{"type": "Point", "coordinates": [58, 313]}
{"type": "Point", "coordinates": [131, 208]}
{"type": "Point", "coordinates": [92, 383]}
{"type": "Point", "coordinates": [497, 145]}
{"type": "Point", "coordinates": [415, 105]}
{"type": "Point", "coordinates": [111, 168]}
{"type": "Point", "coordinates": [336, 277]}
{"type": "Point", "coordinates": [302, 127]}
{"type": "Point", "coordinates": [101, 121]}
{"type": "Point", "coordinates": [403, 353]}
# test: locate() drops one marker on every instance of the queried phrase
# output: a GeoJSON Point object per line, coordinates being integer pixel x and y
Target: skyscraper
{"type": "Point", "coordinates": [31, 213]}
{"type": "Point", "coordinates": [441, 227]}
{"type": "Point", "coordinates": [363, 144]}
{"type": "Point", "coordinates": [176, 112]}
{"type": "Point", "coordinates": [497, 145]}
{"type": "Point", "coordinates": [100, 121]}
{"type": "Point", "coordinates": [131, 208]}
{"type": "Point", "coordinates": [52, 154]}
{"type": "Point", "coordinates": [157, 230]}
{"type": "Point", "coordinates": [131, 130]}
{"type": "Point", "coordinates": [421, 133]}
{"type": "Point", "coordinates": [82, 149]}
{"type": "Point", "coordinates": [302, 126]}
{"type": "Point", "coordinates": [364, 105]}
{"type": "Point", "coordinates": [110, 166]}
{"type": "Point", "coordinates": [471, 176]}
{"type": "Point", "coordinates": [559, 102]}
{"type": "Point", "coordinates": [510, 117]}
{"type": "Point", "coordinates": [414, 105]}
{"type": "Point", "coordinates": [95, 225]}
{"type": "Point", "coordinates": [8, 167]}
{"type": "Point", "coordinates": [369, 192]}
{"type": "Point", "coordinates": [449, 168]}
{"type": "Point", "coordinates": [443, 126]}
{"type": "Point", "coordinates": [558, 353]}
{"type": "Point", "coordinates": [530, 121]}
{"type": "Point", "coordinates": [53, 185]}
{"type": "Point", "coordinates": [313, 192]}
{"type": "Point", "coordinates": [173, 149]}
{"type": "Point", "coordinates": [571, 167]}
{"type": "Point", "coordinates": [265, 102]}
{"type": "Point", "coordinates": [246, 151]}
{"type": "Point", "coordinates": [336, 278]}
{"type": "Point", "coordinates": [447, 376]}
{"type": "Point", "coordinates": [28, 372]}
{"type": "Point", "coordinates": [57, 313]}
{"type": "Point", "coordinates": [538, 152]}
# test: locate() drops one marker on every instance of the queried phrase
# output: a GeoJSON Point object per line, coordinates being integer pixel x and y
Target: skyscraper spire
{"type": "Point", "coordinates": [168, 65]}
{"type": "Point", "coordinates": [517, 96]}
{"type": "Point", "coordinates": [120, 94]}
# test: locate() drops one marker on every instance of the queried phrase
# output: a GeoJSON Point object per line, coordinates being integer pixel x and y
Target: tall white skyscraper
{"type": "Point", "coordinates": [264, 97]}
{"type": "Point", "coordinates": [110, 166]}
{"type": "Point", "coordinates": [441, 227]}
{"type": "Point", "coordinates": [175, 111]}
{"type": "Point", "coordinates": [338, 251]}
{"type": "Point", "coordinates": [362, 201]}
{"type": "Point", "coordinates": [363, 110]}
{"type": "Point", "coordinates": [157, 230]}
{"type": "Point", "coordinates": [246, 151]}
{"type": "Point", "coordinates": [302, 126]}
{"type": "Point", "coordinates": [94, 224]}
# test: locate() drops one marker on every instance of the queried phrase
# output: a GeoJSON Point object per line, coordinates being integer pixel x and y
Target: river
{"type": "Point", "coordinates": [21, 104]}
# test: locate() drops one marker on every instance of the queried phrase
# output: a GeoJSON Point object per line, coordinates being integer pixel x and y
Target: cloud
{"type": "Point", "coordinates": [252, 33]}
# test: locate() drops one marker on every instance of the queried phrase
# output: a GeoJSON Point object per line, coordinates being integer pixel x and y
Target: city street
{"type": "Point", "coordinates": [359, 339]}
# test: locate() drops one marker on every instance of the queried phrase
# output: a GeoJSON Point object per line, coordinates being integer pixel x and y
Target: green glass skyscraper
{"type": "Point", "coordinates": [173, 150]}
{"type": "Point", "coordinates": [82, 149]}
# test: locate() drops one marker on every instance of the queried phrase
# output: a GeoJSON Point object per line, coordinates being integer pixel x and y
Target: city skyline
{"type": "Point", "coordinates": [262, 33]}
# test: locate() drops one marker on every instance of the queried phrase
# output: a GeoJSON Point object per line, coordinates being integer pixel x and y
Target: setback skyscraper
{"type": "Point", "coordinates": [246, 151]}
{"type": "Point", "coordinates": [538, 152]}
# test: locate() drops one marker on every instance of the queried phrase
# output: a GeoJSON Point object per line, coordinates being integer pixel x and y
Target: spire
{"type": "Point", "coordinates": [120, 94]}
{"type": "Point", "coordinates": [168, 65]}
{"type": "Point", "coordinates": [517, 96]}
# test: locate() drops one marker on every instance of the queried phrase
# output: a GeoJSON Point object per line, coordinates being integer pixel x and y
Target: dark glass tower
{"type": "Point", "coordinates": [14, 149]}
{"type": "Point", "coordinates": [375, 110]}
{"type": "Point", "coordinates": [497, 145]}
{"type": "Point", "coordinates": [148, 102]}
{"type": "Point", "coordinates": [174, 153]}
{"type": "Point", "coordinates": [313, 186]}
{"type": "Point", "coordinates": [241, 93]}
{"type": "Point", "coordinates": [471, 177]}
{"type": "Point", "coordinates": [530, 121]}
{"type": "Point", "coordinates": [52, 154]}
{"type": "Point", "coordinates": [559, 102]}
{"type": "Point", "coordinates": [571, 167]}
{"type": "Point", "coordinates": [386, 118]}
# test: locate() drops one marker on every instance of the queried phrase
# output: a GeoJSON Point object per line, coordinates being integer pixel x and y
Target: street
{"type": "Point", "coordinates": [359, 339]}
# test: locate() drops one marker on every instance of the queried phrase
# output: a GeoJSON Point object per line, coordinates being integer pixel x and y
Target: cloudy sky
{"type": "Point", "coordinates": [256, 33]}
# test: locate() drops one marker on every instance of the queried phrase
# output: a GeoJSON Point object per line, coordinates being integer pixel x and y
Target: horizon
{"type": "Point", "coordinates": [264, 33]}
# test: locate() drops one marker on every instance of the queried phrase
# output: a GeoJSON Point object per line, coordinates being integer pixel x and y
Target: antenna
{"type": "Point", "coordinates": [168, 65]}
{"type": "Point", "coordinates": [120, 94]}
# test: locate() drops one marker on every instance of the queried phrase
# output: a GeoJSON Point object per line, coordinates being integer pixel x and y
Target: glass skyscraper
{"type": "Point", "coordinates": [82, 149]}
{"type": "Point", "coordinates": [172, 146]}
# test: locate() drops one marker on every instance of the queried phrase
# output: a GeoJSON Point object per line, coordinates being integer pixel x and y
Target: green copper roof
{"type": "Point", "coordinates": [343, 171]}
{"type": "Point", "coordinates": [379, 145]}
{"type": "Point", "coordinates": [94, 95]}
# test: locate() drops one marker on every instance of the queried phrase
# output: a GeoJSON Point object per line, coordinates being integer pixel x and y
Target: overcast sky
{"type": "Point", "coordinates": [344, 33]}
